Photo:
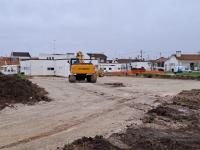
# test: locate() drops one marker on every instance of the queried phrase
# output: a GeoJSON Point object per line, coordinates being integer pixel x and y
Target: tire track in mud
{"type": "Point", "coordinates": [121, 102]}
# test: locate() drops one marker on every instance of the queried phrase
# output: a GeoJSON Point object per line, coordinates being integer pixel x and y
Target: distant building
{"type": "Point", "coordinates": [56, 56]}
{"type": "Point", "coordinates": [20, 55]}
{"type": "Point", "coordinates": [113, 67]}
{"type": "Point", "coordinates": [9, 65]}
{"type": "Point", "coordinates": [125, 61]}
{"type": "Point", "coordinates": [102, 58]}
{"type": "Point", "coordinates": [141, 65]}
{"type": "Point", "coordinates": [183, 62]}
{"type": "Point", "coordinates": [159, 64]}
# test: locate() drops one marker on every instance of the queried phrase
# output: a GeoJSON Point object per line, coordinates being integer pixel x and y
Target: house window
{"type": "Point", "coordinates": [110, 68]}
{"type": "Point", "coordinates": [50, 69]}
{"type": "Point", "coordinates": [104, 68]}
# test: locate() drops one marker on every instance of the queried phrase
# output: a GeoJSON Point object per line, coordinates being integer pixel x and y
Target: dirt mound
{"type": "Point", "coordinates": [157, 139]}
{"type": "Point", "coordinates": [172, 125]}
{"type": "Point", "coordinates": [14, 90]}
{"type": "Point", "coordinates": [189, 99]}
{"type": "Point", "coordinates": [115, 84]}
{"type": "Point", "coordinates": [96, 143]}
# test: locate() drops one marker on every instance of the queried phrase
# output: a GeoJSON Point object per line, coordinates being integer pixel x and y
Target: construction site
{"type": "Point", "coordinates": [113, 113]}
{"type": "Point", "coordinates": [99, 75]}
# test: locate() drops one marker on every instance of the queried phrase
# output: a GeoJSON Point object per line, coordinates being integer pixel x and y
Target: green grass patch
{"type": "Point", "coordinates": [22, 76]}
{"type": "Point", "coordinates": [189, 74]}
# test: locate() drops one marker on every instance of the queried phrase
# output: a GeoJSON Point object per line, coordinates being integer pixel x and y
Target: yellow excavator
{"type": "Point", "coordinates": [79, 70]}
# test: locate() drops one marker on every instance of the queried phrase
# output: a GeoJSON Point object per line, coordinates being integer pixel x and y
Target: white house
{"type": "Point", "coordinates": [183, 62]}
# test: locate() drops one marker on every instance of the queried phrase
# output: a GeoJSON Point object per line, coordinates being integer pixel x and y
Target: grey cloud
{"type": "Point", "coordinates": [116, 27]}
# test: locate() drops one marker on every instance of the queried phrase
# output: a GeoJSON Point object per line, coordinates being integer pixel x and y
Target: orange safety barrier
{"type": "Point", "coordinates": [135, 72]}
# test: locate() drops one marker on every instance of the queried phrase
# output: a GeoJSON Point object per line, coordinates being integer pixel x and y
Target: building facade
{"type": "Point", "coordinates": [183, 62]}
{"type": "Point", "coordinates": [102, 58]}
{"type": "Point", "coordinates": [9, 65]}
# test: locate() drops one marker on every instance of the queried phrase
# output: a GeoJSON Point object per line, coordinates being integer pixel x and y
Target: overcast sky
{"type": "Point", "coordinates": [119, 28]}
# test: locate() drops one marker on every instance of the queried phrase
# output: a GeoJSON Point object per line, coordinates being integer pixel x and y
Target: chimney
{"type": "Point", "coordinates": [178, 53]}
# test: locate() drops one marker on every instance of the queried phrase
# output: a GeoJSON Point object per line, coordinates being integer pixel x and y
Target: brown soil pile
{"type": "Point", "coordinates": [189, 99]}
{"type": "Point", "coordinates": [173, 125]}
{"type": "Point", "coordinates": [96, 143]}
{"type": "Point", "coordinates": [14, 90]}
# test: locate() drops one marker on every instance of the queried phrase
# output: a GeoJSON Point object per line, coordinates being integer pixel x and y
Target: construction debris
{"type": "Point", "coordinates": [172, 125]}
{"type": "Point", "coordinates": [115, 84]}
{"type": "Point", "coordinates": [98, 142]}
{"type": "Point", "coordinates": [14, 89]}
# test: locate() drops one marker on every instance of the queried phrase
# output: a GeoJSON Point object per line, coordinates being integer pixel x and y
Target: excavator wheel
{"type": "Point", "coordinates": [89, 78]}
{"type": "Point", "coordinates": [72, 78]}
{"type": "Point", "coordinates": [93, 78]}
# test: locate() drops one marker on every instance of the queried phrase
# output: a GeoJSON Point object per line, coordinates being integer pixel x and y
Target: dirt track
{"type": "Point", "coordinates": [83, 109]}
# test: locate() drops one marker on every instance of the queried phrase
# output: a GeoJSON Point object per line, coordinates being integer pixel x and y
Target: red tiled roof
{"type": "Point", "coordinates": [97, 55]}
{"type": "Point", "coordinates": [189, 57]}
{"type": "Point", "coordinates": [161, 59]}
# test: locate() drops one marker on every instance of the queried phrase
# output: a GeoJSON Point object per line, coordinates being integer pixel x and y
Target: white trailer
{"type": "Point", "coordinates": [43, 67]}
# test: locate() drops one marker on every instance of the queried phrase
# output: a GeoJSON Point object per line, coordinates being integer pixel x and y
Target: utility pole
{"type": "Point", "coordinates": [160, 54]}
{"type": "Point", "coordinates": [141, 54]}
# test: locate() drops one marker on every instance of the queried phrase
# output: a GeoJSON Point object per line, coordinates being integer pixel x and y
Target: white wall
{"type": "Point", "coordinates": [112, 67]}
{"type": "Point", "coordinates": [62, 68]}
{"type": "Point", "coordinates": [171, 63]}
{"type": "Point", "coordinates": [45, 67]}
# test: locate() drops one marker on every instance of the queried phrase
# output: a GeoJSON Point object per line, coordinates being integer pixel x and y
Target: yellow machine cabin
{"type": "Point", "coordinates": [79, 70]}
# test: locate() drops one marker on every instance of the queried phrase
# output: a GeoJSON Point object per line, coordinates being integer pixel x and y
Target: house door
{"type": "Point", "coordinates": [191, 66]}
